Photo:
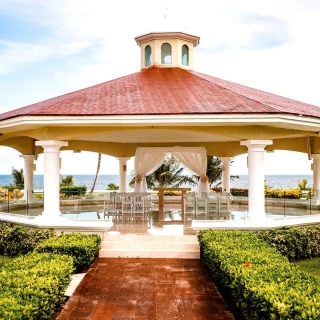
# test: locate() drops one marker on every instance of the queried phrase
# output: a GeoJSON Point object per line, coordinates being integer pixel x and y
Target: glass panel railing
{"type": "Point", "coordinates": [239, 205]}
{"type": "Point", "coordinates": [17, 202]}
{"type": "Point", "coordinates": [314, 201]}
{"type": "Point", "coordinates": [4, 200]}
{"type": "Point", "coordinates": [69, 205]}
{"type": "Point", "coordinates": [275, 207]}
{"type": "Point", "coordinates": [88, 206]}
{"type": "Point", "coordinates": [280, 204]}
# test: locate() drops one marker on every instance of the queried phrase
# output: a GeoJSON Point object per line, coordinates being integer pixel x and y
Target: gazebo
{"type": "Point", "coordinates": [165, 105]}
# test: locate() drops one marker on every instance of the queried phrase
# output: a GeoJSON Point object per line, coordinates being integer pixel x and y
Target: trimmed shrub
{"type": "Point", "coordinates": [72, 191]}
{"type": "Point", "coordinates": [5, 230]}
{"type": "Point", "coordinates": [15, 241]}
{"type": "Point", "coordinates": [83, 248]}
{"type": "Point", "coordinates": [264, 284]}
{"type": "Point", "coordinates": [294, 243]}
{"type": "Point", "coordinates": [32, 286]}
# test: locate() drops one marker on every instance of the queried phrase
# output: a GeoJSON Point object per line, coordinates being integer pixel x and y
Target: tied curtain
{"type": "Point", "coordinates": [195, 160]}
{"type": "Point", "coordinates": [147, 160]}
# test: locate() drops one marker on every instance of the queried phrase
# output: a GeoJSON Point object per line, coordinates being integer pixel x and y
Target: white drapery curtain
{"type": "Point", "coordinates": [147, 160]}
{"type": "Point", "coordinates": [195, 160]}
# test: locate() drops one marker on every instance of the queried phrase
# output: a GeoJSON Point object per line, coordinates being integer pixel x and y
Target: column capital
{"type": "Point", "coordinates": [123, 158]}
{"type": "Point", "coordinates": [51, 145]}
{"type": "Point", "coordinates": [256, 145]}
{"type": "Point", "coordinates": [27, 157]}
{"type": "Point", "coordinates": [315, 156]}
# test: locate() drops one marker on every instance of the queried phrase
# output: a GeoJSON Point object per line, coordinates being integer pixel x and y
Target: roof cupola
{"type": "Point", "coordinates": [167, 49]}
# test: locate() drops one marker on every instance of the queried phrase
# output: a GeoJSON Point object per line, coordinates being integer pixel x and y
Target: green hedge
{"type": "Point", "coordinates": [264, 284]}
{"type": "Point", "coordinates": [70, 191]}
{"type": "Point", "coordinates": [16, 241]}
{"type": "Point", "coordinates": [83, 248]}
{"type": "Point", "coordinates": [32, 286]}
{"type": "Point", "coordinates": [294, 243]}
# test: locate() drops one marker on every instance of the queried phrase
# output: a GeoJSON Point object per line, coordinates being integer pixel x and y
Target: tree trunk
{"type": "Point", "coordinates": [96, 178]}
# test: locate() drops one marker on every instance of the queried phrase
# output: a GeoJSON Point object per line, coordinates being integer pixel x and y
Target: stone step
{"type": "Point", "coordinates": [153, 238]}
{"type": "Point", "coordinates": [187, 254]}
{"type": "Point", "coordinates": [150, 246]}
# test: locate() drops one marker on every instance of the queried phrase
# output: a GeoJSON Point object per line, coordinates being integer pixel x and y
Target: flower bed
{"type": "Point", "coordinates": [269, 193]}
{"type": "Point", "coordinates": [264, 284]}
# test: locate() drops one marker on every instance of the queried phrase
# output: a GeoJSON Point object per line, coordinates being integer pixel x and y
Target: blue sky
{"type": "Point", "coordinates": [52, 47]}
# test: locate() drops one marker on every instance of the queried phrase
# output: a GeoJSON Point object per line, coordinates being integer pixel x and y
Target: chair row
{"type": "Point", "coordinates": [206, 205]}
{"type": "Point", "coordinates": [128, 203]}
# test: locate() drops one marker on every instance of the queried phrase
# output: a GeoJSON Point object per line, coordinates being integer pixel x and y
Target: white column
{"type": "Point", "coordinates": [316, 177]}
{"type": "Point", "coordinates": [256, 177]}
{"type": "Point", "coordinates": [28, 177]}
{"type": "Point", "coordinates": [225, 174]}
{"type": "Point", "coordinates": [51, 188]}
{"type": "Point", "coordinates": [123, 173]}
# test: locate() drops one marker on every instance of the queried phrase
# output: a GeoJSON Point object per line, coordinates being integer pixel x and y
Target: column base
{"type": "Point", "coordinates": [51, 215]}
{"type": "Point", "coordinates": [314, 201]}
{"type": "Point", "coordinates": [30, 200]}
{"type": "Point", "coordinates": [258, 219]}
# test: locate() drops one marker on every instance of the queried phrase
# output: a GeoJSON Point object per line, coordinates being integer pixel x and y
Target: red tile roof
{"type": "Point", "coordinates": [165, 91]}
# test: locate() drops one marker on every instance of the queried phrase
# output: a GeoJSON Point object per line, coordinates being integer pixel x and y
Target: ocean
{"type": "Point", "coordinates": [274, 181]}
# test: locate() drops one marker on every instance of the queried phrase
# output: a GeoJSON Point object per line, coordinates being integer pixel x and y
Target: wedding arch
{"type": "Point", "coordinates": [147, 160]}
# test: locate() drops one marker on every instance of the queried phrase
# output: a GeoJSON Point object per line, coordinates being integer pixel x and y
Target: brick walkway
{"type": "Point", "coordinates": [125, 289]}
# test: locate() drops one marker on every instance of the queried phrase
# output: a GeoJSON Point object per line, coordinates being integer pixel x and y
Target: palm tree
{"type": "Point", "coordinates": [97, 173]}
{"type": "Point", "coordinates": [112, 186]}
{"type": "Point", "coordinates": [67, 181]}
{"type": "Point", "coordinates": [18, 178]}
{"type": "Point", "coordinates": [169, 174]}
{"type": "Point", "coordinates": [214, 170]}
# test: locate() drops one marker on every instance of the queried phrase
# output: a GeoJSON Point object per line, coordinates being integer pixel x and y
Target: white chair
{"type": "Point", "coordinates": [141, 207]}
{"type": "Point", "coordinates": [201, 205]}
{"type": "Point", "coordinates": [213, 207]}
{"type": "Point", "coordinates": [118, 202]}
{"type": "Point", "coordinates": [126, 207]}
{"type": "Point", "coordinates": [189, 202]}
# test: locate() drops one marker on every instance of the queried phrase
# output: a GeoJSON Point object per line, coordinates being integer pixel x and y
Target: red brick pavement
{"type": "Point", "coordinates": [162, 289]}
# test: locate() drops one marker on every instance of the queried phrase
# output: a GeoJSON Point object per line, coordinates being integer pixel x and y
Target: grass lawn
{"type": "Point", "coordinates": [4, 260]}
{"type": "Point", "coordinates": [310, 266]}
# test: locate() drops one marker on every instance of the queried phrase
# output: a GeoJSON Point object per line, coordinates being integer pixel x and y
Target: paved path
{"type": "Point", "coordinates": [125, 289]}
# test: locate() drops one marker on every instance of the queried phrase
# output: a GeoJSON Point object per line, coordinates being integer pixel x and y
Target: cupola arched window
{"type": "Point", "coordinates": [185, 55]}
{"type": "Point", "coordinates": [166, 57]}
{"type": "Point", "coordinates": [147, 56]}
